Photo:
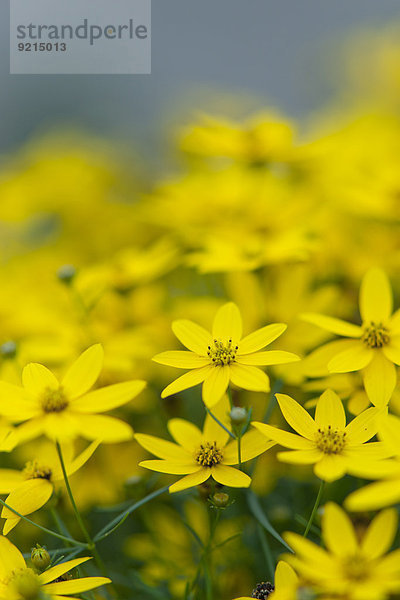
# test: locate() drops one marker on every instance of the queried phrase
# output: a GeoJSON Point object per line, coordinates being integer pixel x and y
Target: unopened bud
{"type": "Point", "coordinates": [220, 500]}
{"type": "Point", "coordinates": [8, 349]}
{"type": "Point", "coordinates": [238, 415]}
{"type": "Point", "coordinates": [40, 557]}
{"type": "Point", "coordinates": [66, 273]}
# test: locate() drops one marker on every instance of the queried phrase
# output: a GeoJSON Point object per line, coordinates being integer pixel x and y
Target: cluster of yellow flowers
{"type": "Point", "coordinates": [269, 237]}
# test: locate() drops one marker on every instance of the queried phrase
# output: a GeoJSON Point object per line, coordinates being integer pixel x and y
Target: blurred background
{"type": "Point", "coordinates": [285, 53]}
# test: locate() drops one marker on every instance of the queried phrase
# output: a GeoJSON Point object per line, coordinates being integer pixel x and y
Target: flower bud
{"type": "Point", "coordinates": [220, 500]}
{"type": "Point", "coordinates": [66, 273]}
{"type": "Point", "coordinates": [40, 557]}
{"type": "Point", "coordinates": [8, 349]}
{"type": "Point", "coordinates": [238, 415]}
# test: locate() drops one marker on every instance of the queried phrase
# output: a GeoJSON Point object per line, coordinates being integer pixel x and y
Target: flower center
{"type": "Point", "coordinates": [54, 400]}
{"type": "Point", "coordinates": [330, 441]}
{"type": "Point", "coordinates": [375, 335]}
{"type": "Point", "coordinates": [356, 568]}
{"type": "Point", "coordinates": [222, 354]}
{"type": "Point", "coordinates": [24, 584]}
{"type": "Point", "coordinates": [263, 590]}
{"type": "Point", "coordinates": [34, 470]}
{"type": "Point", "coordinates": [209, 454]}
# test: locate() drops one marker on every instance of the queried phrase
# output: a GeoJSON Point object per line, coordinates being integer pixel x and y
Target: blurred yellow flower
{"type": "Point", "coordinates": [377, 341]}
{"type": "Point", "coordinates": [223, 356]}
{"type": "Point", "coordinates": [66, 409]}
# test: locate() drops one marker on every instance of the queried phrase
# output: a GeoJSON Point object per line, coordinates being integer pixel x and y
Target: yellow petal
{"type": "Point", "coordinates": [190, 480]}
{"type": "Point", "coordinates": [11, 558]}
{"type": "Point", "coordinates": [172, 468]}
{"type": "Point", "coordinates": [380, 534]}
{"type": "Point", "coordinates": [16, 403]}
{"type": "Point", "coordinates": [79, 461]}
{"type": "Point", "coordinates": [227, 324]}
{"type": "Point", "coordinates": [58, 570]}
{"type": "Point", "coordinates": [29, 496]}
{"type": "Point", "coordinates": [215, 384]}
{"type": "Point", "coordinates": [186, 381]}
{"type": "Point", "coordinates": [186, 434]}
{"type": "Point", "coordinates": [271, 357]}
{"type": "Point", "coordinates": [316, 363]}
{"type": "Point", "coordinates": [212, 431]}
{"type": "Point", "coordinates": [394, 323]}
{"type": "Point", "coordinates": [249, 378]}
{"type": "Point", "coordinates": [285, 576]}
{"type": "Point", "coordinates": [353, 359]}
{"type": "Point", "coordinates": [193, 336]}
{"type": "Point", "coordinates": [163, 448]}
{"type": "Point", "coordinates": [75, 586]}
{"type": "Point", "coordinates": [310, 551]}
{"type": "Point", "coordinates": [376, 301]}
{"type": "Point", "coordinates": [108, 397]}
{"type": "Point", "coordinates": [62, 426]}
{"type": "Point", "coordinates": [374, 496]}
{"type": "Point", "coordinates": [253, 443]}
{"type": "Point", "coordinates": [261, 338]}
{"type": "Point", "coordinates": [389, 432]}
{"type": "Point", "coordinates": [182, 359]}
{"type": "Point", "coordinates": [300, 457]}
{"type": "Point", "coordinates": [83, 373]}
{"type": "Point", "coordinates": [330, 467]}
{"type": "Point", "coordinates": [296, 416]}
{"type": "Point", "coordinates": [363, 427]}
{"type": "Point", "coordinates": [333, 325]}
{"type": "Point", "coordinates": [9, 525]}
{"type": "Point", "coordinates": [10, 479]}
{"type": "Point", "coordinates": [330, 411]}
{"type": "Point", "coordinates": [230, 476]}
{"type": "Point", "coordinates": [380, 379]}
{"type": "Point", "coordinates": [104, 428]}
{"type": "Point", "coordinates": [284, 438]}
{"type": "Point", "coordinates": [392, 350]}
{"type": "Point", "coordinates": [358, 402]}
{"type": "Point", "coordinates": [338, 531]}
{"type": "Point", "coordinates": [36, 379]}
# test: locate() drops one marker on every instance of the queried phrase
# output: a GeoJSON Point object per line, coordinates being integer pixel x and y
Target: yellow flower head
{"type": "Point", "coordinates": [376, 345]}
{"type": "Point", "coordinates": [286, 586]}
{"type": "Point", "coordinates": [349, 568]}
{"type": "Point", "coordinates": [30, 488]}
{"type": "Point", "coordinates": [223, 356]}
{"type": "Point", "coordinates": [66, 409]}
{"type": "Point", "coordinates": [202, 454]}
{"type": "Point", "coordinates": [333, 447]}
{"type": "Point", "coordinates": [19, 582]}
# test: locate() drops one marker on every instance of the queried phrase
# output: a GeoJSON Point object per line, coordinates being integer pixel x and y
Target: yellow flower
{"type": "Point", "coordinates": [223, 356]}
{"type": "Point", "coordinates": [386, 492]}
{"type": "Point", "coordinates": [202, 454]}
{"type": "Point", "coordinates": [30, 488]}
{"type": "Point", "coordinates": [376, 344]}
{"type": "Point", "coordinates": [66, 409]}
{"type": "Point", "coordinates": [350, 568]}
{"type": "Point", "coordinates": [333, 447]}
{"type": "Point", "coordinates": [286, 585]}
{"type": "Point", "coordinates": [19, 582]}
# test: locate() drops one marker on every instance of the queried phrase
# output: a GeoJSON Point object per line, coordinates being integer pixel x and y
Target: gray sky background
{"type": "Point", "coordinates": [267, 48]}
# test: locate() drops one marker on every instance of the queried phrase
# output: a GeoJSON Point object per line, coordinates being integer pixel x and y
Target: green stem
{"type": "Point", "coordinates": [239, 446]}
{"type": "Point", "coordinates": [315, 508]}
{"type": "Point", "coordinates": [49, 531]}
{"type": "Point", "coordinates": [219, 423]}
{"type": "Point", "coordinates": [90, 543]}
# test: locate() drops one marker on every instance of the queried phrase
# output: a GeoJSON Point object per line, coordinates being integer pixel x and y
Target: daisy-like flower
{"type": "Point", "coordinates": [30, 488]}
{"type": "Point", "coordinates": [375, 347]}
{"type": "Point", "coordinates": [286, 587]}
{"type": "Point", "coordinates": [349, 568]}
{"type": "Point", "coordinates": [385, 492]}
{"type": "Point", "coordinates": [222, 356]}
{"type": "Point", "coordinates": [202, 454]}
{"type": "Point", "coordinates": [67, 409]}
{"type": "Point", "coordinates": [333, 447]}
{"type": "Point", "coordinates": [19, 582]}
